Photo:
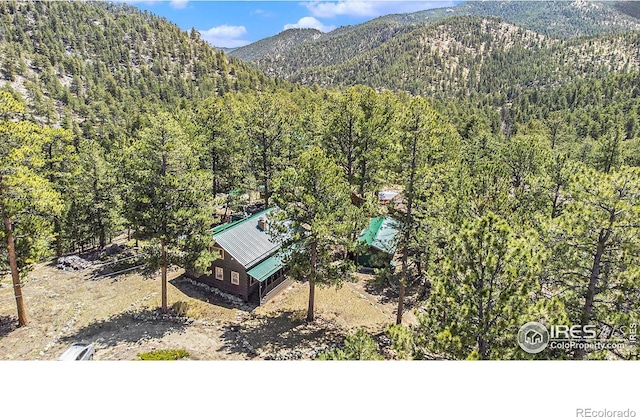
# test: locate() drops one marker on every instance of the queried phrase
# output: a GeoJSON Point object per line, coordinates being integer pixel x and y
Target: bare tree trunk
{"type": "Point", "coordinates": [407, 232]}
{"type": "Point", "coordinates": [57, 231]}
{"type": "Point", "coordinates": [214, 167]}
{"type": "Point", "coordinates": [101, 226]}
{"type": "Point", "coordinates": [591, 289]}
{"type": "Point", "coordinates": [163, 268]}
{"type": "Point", "coordinates": [13, 265]}
{"type": "Point", "coordinates": [103, 236]}
{"type": "Point", "coordinates": [401, 299]}
{"type": "Point", "coordinates": [482, 342]}
{"type": "Point", "coordinates": [555, 206]}
{"type": "Point", "coordinates": [483, 349]}
{"type": "Point", "coordinates": [312, 281]}
{"type": "Point", "coordinates": [56, 221]}
{"type": "Point", "coordinates": [349, 153]}
{"type": "Point", "coordinates": [405, 267]}
{"type": "Point", "coordinates": [226, 208]}
{"type": "Point", "coordinates": [265, 173]}
{"type": "Point", "coordinates": [363, 172]}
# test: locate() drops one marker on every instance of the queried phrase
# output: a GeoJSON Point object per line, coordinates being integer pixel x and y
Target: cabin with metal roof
{"type": "Point", "coordinates": [378, 242]}
{"type": "Point", "coordinates": [249, 263]}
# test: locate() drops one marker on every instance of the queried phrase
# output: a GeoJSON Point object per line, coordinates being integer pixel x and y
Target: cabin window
{"type": "Point", "coordinates": [220, 252]}
{"type": "Point", "coordinates": [219, 273]}
{"type": "Point", "coordinates": [235, 278]}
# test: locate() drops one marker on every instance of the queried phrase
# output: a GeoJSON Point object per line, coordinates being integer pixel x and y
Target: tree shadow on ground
{"type": "Point", "coordinates": [182, 284]}
{"type": "Point", "coordinates": [7, 325]}
{"type": "Point", "coordinates": [384, 291]}
{"type": "Point", "coordinates": [285, 331]}
{"type": "Point", "coordinates": [387, 291]}
{"type": "Point", "coordinates": [128, 327]}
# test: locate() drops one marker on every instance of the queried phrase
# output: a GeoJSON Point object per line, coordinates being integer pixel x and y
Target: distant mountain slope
{"type": "Point", "coordinates": [451, 56]}
{"type": "Point", "coordinates": [467, 55]}
{"type": "Point", "coordinates": [91, 59]}
{"type": "Point", "coordinates": [631, 8]}
{"type": "Point", "coordinates": [557, 19]}
{"type": "Point", "coordinates": [338, 46]}
{"type": "Point", "coordinates": [386, 50]}
{"type": "Point", "coordinates": [275, 45]}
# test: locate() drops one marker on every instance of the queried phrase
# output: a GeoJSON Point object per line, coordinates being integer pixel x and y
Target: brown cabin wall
{"type": "Point", "coordinates": [228, 264]}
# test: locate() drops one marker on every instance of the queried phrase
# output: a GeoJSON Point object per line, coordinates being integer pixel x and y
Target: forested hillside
{"type": "Point", "coordinates": [631, 8]}
{"type": "Point", "coordinates": [467, 65]}
{"type": "Point", "coordinates": [472, 48]}
{"type": "Point", "coordinates": [454, 57]}
{"type": "Point", "coordinates": [557, 19]}
{"type": "Point", "coordinates": [75, 63]}
{"type": "Point", "coordinates": [515, 155]}
{"type": "Point", "coordinates": [331, 48]}
{"type": "Point", "coordinates": [275, 45]}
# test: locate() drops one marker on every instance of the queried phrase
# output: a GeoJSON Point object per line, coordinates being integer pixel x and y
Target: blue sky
{"type": "Point", "coordinates": [233, 24]}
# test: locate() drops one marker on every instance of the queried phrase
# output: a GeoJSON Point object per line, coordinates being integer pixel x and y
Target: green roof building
{"type": "Point", "coordinates": [250, 264]}
{"type": "Point", "coordinates": [378, 242]}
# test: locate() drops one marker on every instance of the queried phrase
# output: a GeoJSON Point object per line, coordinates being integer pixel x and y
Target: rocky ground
{"type": "Point", "coordinates": [120, 315]}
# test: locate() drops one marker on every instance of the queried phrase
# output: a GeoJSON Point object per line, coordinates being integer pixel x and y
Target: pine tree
{"type": "Point", "coordinates": [61, 169]}
{"type": "Point", "coordinates": [168, 202]}
{"type": "Point", "coordinates": [314, 201]}
{"type": "Point", "coordinates": [428, 155]}
{"type": "Point", "coordinates": [358, 346]}
{"type": "Point", "coordinates": [94, 203]}
{"type": "Point", "coordinates": [214, 129]}
{"type": "Point", "coordinates": [486, 286]}
{"type": "Point", "coordinates": [596, 242]}
{"type": "Point", "coordinates": [26, 196]}
{"type": "Point", "coordinates": [265, 121]}
{"type": "Point", "coordinates": [343, 130]}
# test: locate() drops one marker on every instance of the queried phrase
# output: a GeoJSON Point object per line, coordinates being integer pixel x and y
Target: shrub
{"type": "Point", "coordinates": [181, 308]}
{"type": "Point", "coordinates": [164, 355]}
{"type": "Point", "coordinates": [359, 346]}
{"type": "Point", "coordinates": [193, 309]}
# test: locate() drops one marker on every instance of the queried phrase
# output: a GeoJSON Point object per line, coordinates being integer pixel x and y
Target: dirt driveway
{"type": "Point", "coordinates": [120, 315]}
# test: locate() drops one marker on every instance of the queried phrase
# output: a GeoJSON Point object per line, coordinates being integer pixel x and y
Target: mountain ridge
{"type": "Point", "coordinates": [275, 45]}
{"type": "Point", "coordinates": [391, 51]}
{"type": "Point", "coordinates": [557, 19]}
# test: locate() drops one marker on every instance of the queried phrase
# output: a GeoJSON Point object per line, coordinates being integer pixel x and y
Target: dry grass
{"type": "Point", "coordinates": [343, 306]}
{"type": "Point", "coordinates": [201, 310]}
{"type": "Point", "coordinates": [65, 306]}
{"type": "Point", "coordinates": [194, 308]}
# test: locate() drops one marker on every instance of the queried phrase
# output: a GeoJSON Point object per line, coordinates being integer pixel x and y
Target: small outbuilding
{"type": "Point", "coordinates": [387, 195]}
{"type": "Point", "coordinates": [378, 243]}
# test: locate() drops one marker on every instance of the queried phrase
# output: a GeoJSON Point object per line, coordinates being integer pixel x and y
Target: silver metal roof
{"type": "Point", "coordinates": [245, 242]}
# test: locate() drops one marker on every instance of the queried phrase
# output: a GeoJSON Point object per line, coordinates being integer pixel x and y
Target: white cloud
{"type": "Point", "coordinates": [263, 13]}
{"type": "Point", "coordinates": [310, 23]}
{"type": "Point", "coordinates": [370, 8]}
{"type": "Point", "coordinates": [340, 8]}
{"type": "Point", "coordinates": [178, 4]}
{"type": "Point", "coordinates": [225, 36]}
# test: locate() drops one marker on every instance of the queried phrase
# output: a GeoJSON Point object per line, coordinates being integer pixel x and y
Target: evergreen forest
{"type": "Point", "coordinates": [516, 153]}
